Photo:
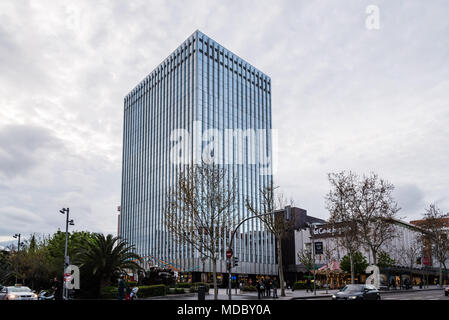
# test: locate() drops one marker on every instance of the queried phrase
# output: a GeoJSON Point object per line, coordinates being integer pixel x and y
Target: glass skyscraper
{"type": "Point", "coordinates": [200, 85]}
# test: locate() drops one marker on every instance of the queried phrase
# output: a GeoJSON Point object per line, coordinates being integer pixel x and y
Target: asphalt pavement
{"type": "Point", "coordinates": [408, 295]}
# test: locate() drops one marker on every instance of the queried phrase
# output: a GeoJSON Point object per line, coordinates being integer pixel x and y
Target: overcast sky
{"type": "Point", "coordinates": [343, 96]}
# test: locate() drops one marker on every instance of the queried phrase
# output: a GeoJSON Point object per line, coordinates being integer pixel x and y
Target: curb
{"type": "Point", "coordinates": [381, 292]}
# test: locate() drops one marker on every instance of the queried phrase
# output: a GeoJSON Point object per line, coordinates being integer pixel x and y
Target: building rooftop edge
{"type": "Point", "coordinates": [194, 35]}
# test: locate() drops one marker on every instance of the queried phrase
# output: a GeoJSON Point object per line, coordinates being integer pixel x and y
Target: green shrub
{"type": "Point", "coordinates": [249, 288]}
{"type": "Point", "coordinates": [175, 291]}
{"type": "Point", "coordinates": [152, 291]}
{"type": "Point", "coordinates": [194, 286]}
{"type": "Point", "coordinates": [110, 292]}
{"type": "Point", "coordinates": [185, 285]}
{"type": "Point", "coordinates": [299, 285]}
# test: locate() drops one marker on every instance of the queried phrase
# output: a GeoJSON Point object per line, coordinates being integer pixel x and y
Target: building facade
{"type": "Point", "coordinates": [198, 89]}
{"type": "Point", "coordinates": [400, 249]}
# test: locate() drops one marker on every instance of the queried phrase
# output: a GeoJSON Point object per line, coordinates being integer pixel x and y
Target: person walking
{"type": "Point", "coordinates": [308, 285]}
{"type": "Point", "coordinates": [121, 288]}
{"type": "Point", "coordinates": [57, 289]}
{"type": "Point", "coordinates": [259, 290]}
{"type": "Point", "coordinates": [275, 289]}
{"type": "Point", "coordinates": [268, 287]}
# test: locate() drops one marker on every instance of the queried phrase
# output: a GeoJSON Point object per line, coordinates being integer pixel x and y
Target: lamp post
{"type": "Point", "coordinates": [312, 233]}
{"type": "Point", "coordinates": [17, 236]}
{"type": "Point", "coordinates": [68, 222]}
{"type": "Point", "coordinates": [231, 241]}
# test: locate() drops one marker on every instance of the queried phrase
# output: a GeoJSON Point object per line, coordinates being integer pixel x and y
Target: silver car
{"type": "Point", "coordinates": [17, 293]}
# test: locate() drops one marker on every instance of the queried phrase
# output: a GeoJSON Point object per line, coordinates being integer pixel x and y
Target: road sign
{"type": "Point", "coordinates": [228, 254]}
{"type": "Point", "coordinates": [318, 248]}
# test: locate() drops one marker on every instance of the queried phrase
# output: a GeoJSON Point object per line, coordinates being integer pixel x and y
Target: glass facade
{"type": "Point", "coordinates": [200, 86]}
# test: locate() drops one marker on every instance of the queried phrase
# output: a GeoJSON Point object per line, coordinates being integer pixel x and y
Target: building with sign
{"type": "Point", "coordinates": [321, 240]}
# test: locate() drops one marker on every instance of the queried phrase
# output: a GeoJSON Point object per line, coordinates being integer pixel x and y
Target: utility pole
{"type": "Point", "coordinates": [230, 245]}
{"type": "Point", "coordinates": [17, 235]}
{"type": "Point", "coordinates": [312, 233]}
{"type": "Point", "coordinates": [66, 258]}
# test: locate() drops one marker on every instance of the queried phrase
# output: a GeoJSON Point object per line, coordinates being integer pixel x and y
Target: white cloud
{"type": "Point", "coordinates": [344, 97]}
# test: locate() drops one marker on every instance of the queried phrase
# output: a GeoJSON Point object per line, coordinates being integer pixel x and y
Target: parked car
{"type": "Point", "coordinates": [446, 291]}
{"type": "Point", "coordinates": [17, 293]}
{"type": "Point", "coordinates": [357, 292]}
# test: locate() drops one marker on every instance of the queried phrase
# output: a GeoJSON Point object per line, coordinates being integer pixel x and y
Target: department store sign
{"type": "Point", "coordinates": [327, 231]}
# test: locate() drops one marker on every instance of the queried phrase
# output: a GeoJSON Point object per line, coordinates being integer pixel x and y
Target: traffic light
{"type": "Point", "coordinates": [418, 261]}
{"type": "Point", "coordinates": [235, 261]}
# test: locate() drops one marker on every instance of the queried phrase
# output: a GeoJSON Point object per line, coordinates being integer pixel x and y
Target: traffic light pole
{"type": "Point", "coordinates": [68, 222]}
{"type": "Point", "coordinates": [17, 235]}
{"type": "Point", "coordinates": [231, 241]}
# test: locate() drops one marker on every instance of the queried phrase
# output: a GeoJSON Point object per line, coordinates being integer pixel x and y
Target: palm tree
{"type": "Point", "coordinates": [105, 257]}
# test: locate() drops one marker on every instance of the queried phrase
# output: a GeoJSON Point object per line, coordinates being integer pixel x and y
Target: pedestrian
{"type": "Point", "coordinates": [275, 289]}
{"type": "Point", "coordinates": [308, 285]}
{"type": "Point", "coordinates": [258, 285]}
{"type": "Point", "coordinates": [267, 287]}
{"type": "Point", "coordinates": [121, 288]}
{"type": "Point", "coordinates": [57, 289]}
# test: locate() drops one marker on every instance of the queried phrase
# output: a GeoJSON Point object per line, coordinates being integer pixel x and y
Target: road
{"type": "Point", "coordinates": [415, 295]}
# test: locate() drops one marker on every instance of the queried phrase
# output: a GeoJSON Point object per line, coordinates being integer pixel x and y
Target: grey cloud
{"type": "Point", "coordinates": [23, 146]}
{"type": "Point", "coordinates": [364, 100]}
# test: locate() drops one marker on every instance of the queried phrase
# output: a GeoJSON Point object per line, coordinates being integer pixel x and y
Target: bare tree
{"type": "Point", "coordinates": [375, 208]}
{"type": "Point", "coordinates": [436, 233]}
{"type": "Point", "coordinates": [409, 253]}
{"type": "Point", "coordinates": [343, 218]}
{"type": "Point", "coordinates": [305, 257]}
{"type": "Point", "coordinates": [200, 211]}
{"type": "Point", "coordinates": [272, 214]}
{"type": "Point", "coordinates": [329, 256]}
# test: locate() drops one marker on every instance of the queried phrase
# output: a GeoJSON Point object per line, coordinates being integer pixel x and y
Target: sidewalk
{"type": "Point", "coordinates": [289, 294]}
{"type": "Point", "coordinates": [301, 294]}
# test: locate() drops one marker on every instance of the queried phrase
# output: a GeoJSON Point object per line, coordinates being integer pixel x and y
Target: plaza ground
{"type": "Point", "coordinates": [430, 293]}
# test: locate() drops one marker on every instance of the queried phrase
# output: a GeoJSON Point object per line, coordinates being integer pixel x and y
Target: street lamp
{"type": "Point", "coordinates": [230, 245]}
{"type": "Point", "coordinates": [17, 236]}
{"type": "Point", "coordinates": [312, 233]}
{"type": "Point", "coordinates": [68, 222]}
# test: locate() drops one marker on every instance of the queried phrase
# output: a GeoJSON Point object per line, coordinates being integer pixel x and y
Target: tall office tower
{"type": "Point", "coordinates": [200, 86]}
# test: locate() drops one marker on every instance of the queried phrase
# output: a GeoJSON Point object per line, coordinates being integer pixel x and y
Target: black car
{"type": "Point", "coordinates": [357, 292]}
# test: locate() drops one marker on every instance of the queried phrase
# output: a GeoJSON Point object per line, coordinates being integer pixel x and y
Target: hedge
{"type": "Point", "coordinates": [249, 288]}
{"type": "Point", "coordinates": [176, 291]}
{"type": "Point", "coordinates": [194, 286]}
{"type": "Point", "coordinates": [298, 285]}
{"type": "Point", "coordinates": [109, 292]}
{"type": "Point", "coordinates": [184, 285]}
{"type": "Point", "coordinates": [151, 291]}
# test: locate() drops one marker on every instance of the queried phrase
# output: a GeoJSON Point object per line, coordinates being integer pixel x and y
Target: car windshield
{"type": "Point", "coordinates": [19, 289]}
{"type": "Point", "coordinates": [353, 288]}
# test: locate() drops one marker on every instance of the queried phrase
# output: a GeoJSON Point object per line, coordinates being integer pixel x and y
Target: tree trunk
{"type": "Point", "coordinates": [280, 269]}
{"type": "Point", "coordinates": [374, 252]}
{"type": "Point", "coordinates": [440, 281]}
{"type": "Point", "coordinates": [214, 270]}
{"type": "Point", "coordinates": [352, 268]}
{"type": "Point", "coordinates": [100, 286]}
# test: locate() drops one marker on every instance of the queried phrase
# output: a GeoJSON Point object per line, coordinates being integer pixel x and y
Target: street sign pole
{"type": "Point", "coordinates": [229, 265]}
